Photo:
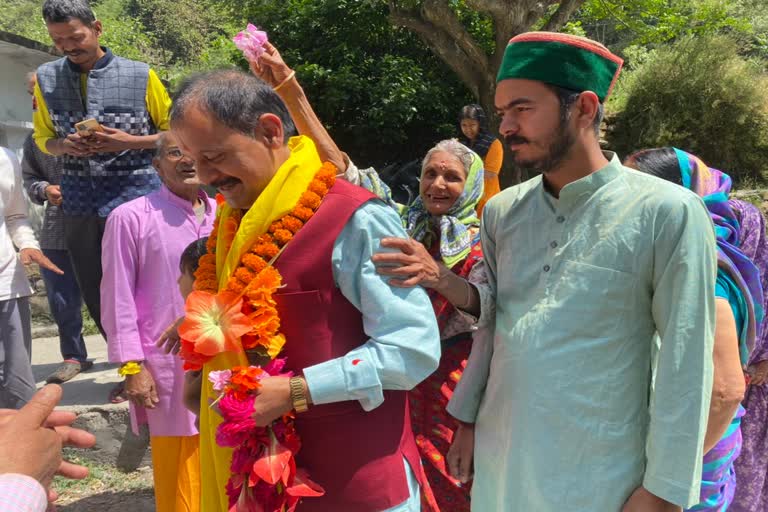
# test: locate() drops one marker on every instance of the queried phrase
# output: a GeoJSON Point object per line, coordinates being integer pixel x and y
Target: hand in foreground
{"type": "Point", "coordinates": [141, 389]}
{"type": "Point", "coordinates": [111, 140]}
{"type": "Point", "coordinates": [31, 439]}
{"type": "Point", "coordinates": [273, 399]}
{"type": "Point", "coordinates": [409, 267]}
{"type": "Point", "coordinates": [461, 453]}
{"type": "Point", "coordinates": [271, 67]}
{"type": "Point", "coordinates": [758, 373]}
{"type": "Point", "coordinates": [170, 341]}
{"type": "Point", "coordinates": [30, 255]}
{"type": "Point", "coordinates": [643, 501]}
{"type": "Point", "coordinates": [53, 194]}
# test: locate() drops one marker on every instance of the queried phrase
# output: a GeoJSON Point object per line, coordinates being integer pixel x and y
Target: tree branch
{"type": "Point", "coordinates": [440, 14]}
{"type": "Point", "coordinates": [437, 25]}
{"type": "Point", "coordinates": [510, 18]}
{"type": "Point", "coordinates": [560, 17]}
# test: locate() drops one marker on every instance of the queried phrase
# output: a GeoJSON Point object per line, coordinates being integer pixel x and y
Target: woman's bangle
{"type": "Point", "coordinates": [130, 368]}
{"type": "Point", "coordinates": [287, 79]}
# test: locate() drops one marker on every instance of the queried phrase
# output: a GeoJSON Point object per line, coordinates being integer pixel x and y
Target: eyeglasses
{"type": "Point", "coordinates": [174, 154]}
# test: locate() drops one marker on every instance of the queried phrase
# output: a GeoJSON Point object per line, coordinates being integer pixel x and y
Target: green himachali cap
{"type": "Point", "coordinates": [571, 62]}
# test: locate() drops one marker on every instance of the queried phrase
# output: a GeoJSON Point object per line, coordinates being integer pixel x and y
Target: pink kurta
{"type": "Point", "coordinates": [143, 242]}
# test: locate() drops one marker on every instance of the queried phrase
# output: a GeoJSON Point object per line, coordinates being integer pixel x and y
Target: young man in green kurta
{"type": "Point", "coordinates": [569, 403]}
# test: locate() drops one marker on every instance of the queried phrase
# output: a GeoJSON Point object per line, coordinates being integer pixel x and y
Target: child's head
{"type": "Point", "coordinates": [190, 259]}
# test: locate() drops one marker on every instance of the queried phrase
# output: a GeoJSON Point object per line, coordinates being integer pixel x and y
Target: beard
{"type": "Point", "coordinates": [560, 144]}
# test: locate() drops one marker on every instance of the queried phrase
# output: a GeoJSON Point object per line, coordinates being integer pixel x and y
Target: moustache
{"type": "Point", "coordinates": [515, 139]}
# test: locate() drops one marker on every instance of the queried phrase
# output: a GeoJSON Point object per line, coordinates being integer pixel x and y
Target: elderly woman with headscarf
{"type": "Point", "coordinates": [476, 136]}
{"type": "Point", "coordinates": [738, 316]}
{"type": "Point", "coordinates": [444, 256]}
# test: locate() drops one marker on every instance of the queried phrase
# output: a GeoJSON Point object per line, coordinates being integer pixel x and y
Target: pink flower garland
{"type": "Point", "coordinates": [264, 474]}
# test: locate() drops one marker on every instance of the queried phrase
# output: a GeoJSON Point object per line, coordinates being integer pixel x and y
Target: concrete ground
{"type": "Point", "coordinates": [88, 396]}
{"type": "Point", "coordinates": [90, 388]}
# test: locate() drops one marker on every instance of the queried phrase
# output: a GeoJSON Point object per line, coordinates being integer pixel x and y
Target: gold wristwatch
{"type": "Point", "coordinates": [298, 396]}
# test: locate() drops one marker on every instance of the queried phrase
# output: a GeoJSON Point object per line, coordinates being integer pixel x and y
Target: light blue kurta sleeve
{"type": "Point", "coordinates": [404, 343]}
{"type": "Point", "coordinates": [685, 266]}
{"type": "Point", "coordinates": [465, 402]}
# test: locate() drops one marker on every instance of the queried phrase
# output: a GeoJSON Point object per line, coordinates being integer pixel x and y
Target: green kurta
{"type": "Point", "coordinates": [566, 418]}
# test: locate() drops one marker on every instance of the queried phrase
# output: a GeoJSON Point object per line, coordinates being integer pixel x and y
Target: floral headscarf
{"type": "Point", "coordinates": [455, 236]}
{"type": "Point", "coordinates": [714, 186]}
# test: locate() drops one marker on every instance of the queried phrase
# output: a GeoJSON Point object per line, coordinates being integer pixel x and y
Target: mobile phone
{"type": "Point", "coordinates": [88, 127]}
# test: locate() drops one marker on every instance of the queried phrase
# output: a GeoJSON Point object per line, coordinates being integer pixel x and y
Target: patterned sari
{"type": "Point", "coordinates": [719, 478]}
{"type": "Point", "coordinates": [432, 425]}
{"type": "Point", "coordinates": [752, 465]}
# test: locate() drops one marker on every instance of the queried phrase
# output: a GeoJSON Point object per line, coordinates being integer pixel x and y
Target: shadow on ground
{"type": "Point", "coordinates": [136, 501]}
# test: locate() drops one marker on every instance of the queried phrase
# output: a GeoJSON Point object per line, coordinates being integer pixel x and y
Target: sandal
{"type": "Point", "coordinates": [67, 371]}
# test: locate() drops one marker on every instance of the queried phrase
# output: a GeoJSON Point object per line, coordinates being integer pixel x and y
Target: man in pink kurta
{"type": "Point", "coordinates": [142, 244]}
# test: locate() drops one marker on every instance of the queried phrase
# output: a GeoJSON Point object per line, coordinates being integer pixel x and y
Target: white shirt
{"type": "Point", "coordinates": [15, 229]}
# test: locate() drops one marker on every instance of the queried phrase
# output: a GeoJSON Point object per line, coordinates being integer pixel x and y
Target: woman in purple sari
{"type": "Point", "coordinates": [739, 311]}
{"type": "Point", "coordinates": [752, 464]}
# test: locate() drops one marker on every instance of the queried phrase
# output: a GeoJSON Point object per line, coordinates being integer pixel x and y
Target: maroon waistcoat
{"type": "Point", "coordinates": [356, 456]}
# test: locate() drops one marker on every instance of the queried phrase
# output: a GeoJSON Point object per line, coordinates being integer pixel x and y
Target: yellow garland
{"type": "Point", "coordinates": [255, 278]}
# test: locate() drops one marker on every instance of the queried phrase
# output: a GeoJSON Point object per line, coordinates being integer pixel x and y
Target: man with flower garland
{"type": "Point", "coordinates": [355, 343]}
{"type": "Point", "coordinates": [143, 242]}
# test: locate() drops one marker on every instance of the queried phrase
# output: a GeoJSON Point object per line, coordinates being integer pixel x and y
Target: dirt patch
{"type": "Point", "coordinates": [106, 489]}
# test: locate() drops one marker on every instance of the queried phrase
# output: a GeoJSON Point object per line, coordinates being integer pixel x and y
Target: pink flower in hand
{"type": "Point", "coordinates": [251, 42]}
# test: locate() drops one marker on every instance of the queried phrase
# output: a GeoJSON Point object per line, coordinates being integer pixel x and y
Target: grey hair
{"type": "Point", "coordinates": [61, 11]}
{"type": "Point", "coordinates": [453, 147]}
{"type": "Point", "coordinates": [160, 144]}
{"type": "Point", "coordinates": [235, 99]}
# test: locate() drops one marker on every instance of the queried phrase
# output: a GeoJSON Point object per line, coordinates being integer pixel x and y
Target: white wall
{"type": "Point", "coordinates": [15, 104]}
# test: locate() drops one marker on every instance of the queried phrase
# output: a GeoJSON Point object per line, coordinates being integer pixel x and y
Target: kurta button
{"type": "Point", "coordinates": [546, 268]}
{"type": "Point", "coordinates": [553, 245]}
{"type": "Point", "coordinates": [560, 219]}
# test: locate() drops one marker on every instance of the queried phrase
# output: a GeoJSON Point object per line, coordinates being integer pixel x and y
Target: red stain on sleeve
{"type": "Point", "coordinates": [355, 362]}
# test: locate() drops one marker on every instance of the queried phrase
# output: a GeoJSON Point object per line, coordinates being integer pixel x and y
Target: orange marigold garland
{"type": "Point", "coordinates": [255, 279]}
{"type": "Point", "coordinates": [245, 313]}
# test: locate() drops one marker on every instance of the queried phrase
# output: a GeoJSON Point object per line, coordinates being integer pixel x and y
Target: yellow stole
{"type": "Point", "coordinates": [278, 198]}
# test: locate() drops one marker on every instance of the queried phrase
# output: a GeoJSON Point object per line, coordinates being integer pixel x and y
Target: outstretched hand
{"type": "Point", "coordinates": [30, 255]}
{"type": "Point", "coordinates": [271, 67]}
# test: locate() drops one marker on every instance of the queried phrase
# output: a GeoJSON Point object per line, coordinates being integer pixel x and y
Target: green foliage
{"type": "Point", "coordinates": [698, 95]}
{"type": "Point", "coordinates": [24, 18]}
{"type": "Point", "coordinates": [381, 93]}
{"type": "Point", "coordinates": [620, 23]}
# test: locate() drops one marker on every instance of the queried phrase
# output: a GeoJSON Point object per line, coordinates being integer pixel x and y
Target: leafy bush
{"type": "Point", "coordinates": [699, 95]}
